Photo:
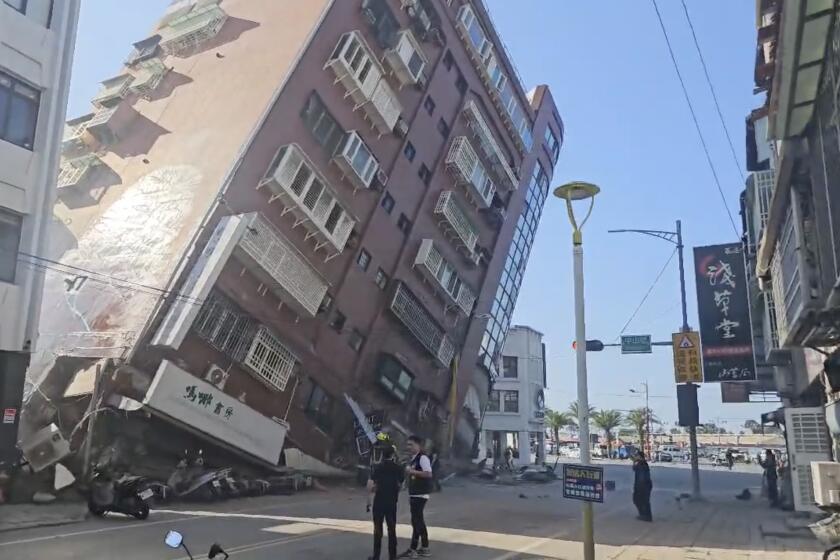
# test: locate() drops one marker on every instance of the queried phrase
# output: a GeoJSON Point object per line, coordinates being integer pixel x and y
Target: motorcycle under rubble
{"type": "Point", "coordinates": [129, 495]}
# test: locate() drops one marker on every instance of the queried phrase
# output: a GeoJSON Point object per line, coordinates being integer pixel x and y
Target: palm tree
{"type": "Point", "coordinates": [556, 421]}
{"type": "Point", "coordinates": [607, 420]}
{"type": "Point", "coordinates": [573, 411]}
{"type": "Point", "coordinates": [638, 419]}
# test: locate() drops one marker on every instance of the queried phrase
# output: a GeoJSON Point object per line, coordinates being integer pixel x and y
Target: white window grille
{"type": "Point", "coordinates": [453, 218]}
{"type": "Point", "coordinates": [437, 269]}
{"type": "Point", "coordinates": [357, 160]}
{"type": "Point", "coordinates": [113, 90]}
{"type": "Point", "coordinates": [384, 109]}
{"type": "Point", "coordinates": [488, 144]}
{"type": "Point", "coordinates": [463, 163]}
{"type": "Point", "coordinates": [407, 58]}
{"type": "Point", "coordinates": [269, 359]}
{"type": "Point", "coordinates": [408, 309]}
{"type": "Point", "coordinates": [786, 280]}
{"type": "Point", "coordinates": [188, 28]}
{"type": "Point", "coordinates": [295, 181]}
{"type": "Point", "coordinates": [148, 77]}
{"type": "Point", "coordinates": [73, 172]}
{"type": "Point", "coordinates": [285, 269]}
{"type": "Point", "coordinates": [225, 327]}
{"type": "Point", "coordinates": [72, 141]}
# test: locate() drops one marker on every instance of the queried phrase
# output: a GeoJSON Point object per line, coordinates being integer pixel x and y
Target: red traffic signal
{"type": "Point", "coordinates": [591, 345]}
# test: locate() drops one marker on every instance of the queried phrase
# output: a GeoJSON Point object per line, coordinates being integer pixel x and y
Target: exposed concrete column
{"type": "Point", "coordinates": [524, 448]}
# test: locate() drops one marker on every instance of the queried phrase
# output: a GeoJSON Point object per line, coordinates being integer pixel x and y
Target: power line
{"type": "Point", "coordinates": [647, 294]}
{"type": "Point", "coordinates": [714, 94]}
{"type": "Point", "coordinates": [694, 117]}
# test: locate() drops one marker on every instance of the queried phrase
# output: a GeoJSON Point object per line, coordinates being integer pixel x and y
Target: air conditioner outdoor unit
{"type": "Point", "coordinates": [401, 128]}
{"type": "Point", "coordinates": [422, 82]}
{"type": "Point", "coordinates": [826, 476]}
{"type": "Point", "coordinates": [216, 376]}
{"type": "Point", "coordinates": [381, 178]}
{"type": "Point", "coordinates": [46, 447]}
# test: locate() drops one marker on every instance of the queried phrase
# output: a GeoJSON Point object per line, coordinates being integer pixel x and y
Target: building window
{"type": "Point", "coordinates": [404, 224]}
{"type": "Point", "coordinates": [429, 104]}
{"type": "Point", "coordinates": [387, 203]}
{"type": "Point", "coordinates": [40, 10]}
{"type": "Point", "coordinates": [494, 402]}
{"type": "Point", "coordinates": [425, 174]}
{"type": "Point", "coordinates": [10, 227]}
{"type": "Point", "coordinates": [356, 340]}
{"type": "Point", "coordinates": [443, 128]}
{"type": "Point", "coordinates": [461, 84]}
{"type": "Point", "coordinates": [552, 143]}
{"type": "Point", "coordinates": [19, 5]}
{"type": "Point", "coordinates": [225, 327]}
{"type": "Point", "coordinates": [326, 303]}
{"type": "Point", "coordinates": [319, 407]}
{"type": "Point", "coordinates": [338, 321]}
{"type": "Point", "coordinates": [381, 279]}
{"type": "Point", "coordinates": [409, 151]}
{"type": "Point", "coordinates": [322, 124]}
{"type": "Point", "coordinates": [448, 60]}
{"type": "Point", "coordinates": [511, 401]}
{"type": "Point", "coordinates": [18, 111]}
{"type": "Point", "coordinates": [269, 359]}
{"type": "Point", "coordinates": [394, 377]}
{"type": "Point", "coordinates": [510, 365]}
{"type": "Point", "coordinates": [363, 260]}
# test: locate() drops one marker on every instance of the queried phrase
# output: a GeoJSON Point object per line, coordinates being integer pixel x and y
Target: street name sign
{"type": "Point", "coordinates": [583, 482]}
{"type": "Point", "coordinates": [687, 365]}
{"type": "Point", "coordinates": [635, 344]}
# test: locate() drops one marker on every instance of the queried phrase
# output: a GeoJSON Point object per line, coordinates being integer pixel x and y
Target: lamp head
{"type": "Point", "coordinates": [576, 190]}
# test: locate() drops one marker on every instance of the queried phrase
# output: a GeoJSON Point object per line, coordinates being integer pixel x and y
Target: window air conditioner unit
{"type": "Point", "coordinates": [422, 82]}
{"type": "Point", "coordinates": [826, 475]}
{"type": "Point", "coordinates": [401, 128]}
{"type": "Point", "coordinates": [46, 447]}
{"type": "Point", "coordinates": [216, 376]}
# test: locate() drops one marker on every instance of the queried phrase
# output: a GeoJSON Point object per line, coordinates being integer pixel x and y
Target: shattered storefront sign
{"type": "Point", "coordinates": [181, 396]}
{"type": "Point", "coordinates": [724, 313]}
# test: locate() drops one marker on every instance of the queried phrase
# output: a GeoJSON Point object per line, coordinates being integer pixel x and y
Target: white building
{"type": "Point", "coordinates": [515, 414]}
{"type": "Point", "coordinates": [37, 39]}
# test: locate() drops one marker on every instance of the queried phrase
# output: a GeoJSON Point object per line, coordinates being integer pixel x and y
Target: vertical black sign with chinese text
{"type": "Point", "coordinates": [723, 307]}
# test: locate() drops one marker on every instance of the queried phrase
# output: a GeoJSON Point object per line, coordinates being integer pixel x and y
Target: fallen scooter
{"type": "Point", "coordinates": [129, 495]}
{"type": "Point", "coordinates": [174, 539]}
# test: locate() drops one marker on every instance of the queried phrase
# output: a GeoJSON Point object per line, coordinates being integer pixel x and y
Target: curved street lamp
{"type": "Point", "coordinates": [572, 192]}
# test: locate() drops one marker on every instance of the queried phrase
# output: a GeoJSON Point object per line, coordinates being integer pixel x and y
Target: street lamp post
{"type": "Point", "coordinates": [646, 443]}
{"type": "Point", "coordinates": [675, 237]}
{"type": "Point", "coordinates": [571, 192]}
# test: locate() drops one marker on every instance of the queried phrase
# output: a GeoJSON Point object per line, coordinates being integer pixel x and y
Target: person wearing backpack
{"type": "Point", "coordinates": [419, 473]}
{"type": "Point", "coordinates": [386, 479]}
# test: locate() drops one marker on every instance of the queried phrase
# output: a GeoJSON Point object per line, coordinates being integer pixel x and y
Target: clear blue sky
{"type": "Point", "coordinates": [627, 129]}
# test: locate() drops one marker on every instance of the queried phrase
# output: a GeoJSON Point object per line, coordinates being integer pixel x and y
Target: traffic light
{"type": "Point", "coordinates": [591, 345]}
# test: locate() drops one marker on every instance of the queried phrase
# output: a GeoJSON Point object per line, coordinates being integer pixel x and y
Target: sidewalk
{"type": "Point", "coordinates": [25, 516]}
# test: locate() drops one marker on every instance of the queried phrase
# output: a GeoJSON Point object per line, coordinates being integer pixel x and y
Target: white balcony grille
{"type": "Point", "coordinates": [357, 161]}
{"type": "Point", "coordinates": [113, 90]}
{"type": "Point", "coordinates": [454, 219]}
{"type": "Point", "coordinates": [407, 58]}
{"type": "Point", "coordinates": [771, 322]}
{"type": "Point", "coordinates": [269, 359]}
{"type": "Point", "coordinates": [444, 275]}
{"type": "Point", "coordinates": [296, 182]}
{"type": "Point", "coordinates": [358, 70]}
{"type": "Point", "coordinates": [408, 309]}
{"type": "Point", "coordinates": [187, 30]}
{"type": "Point", "coordinates": [148, 77]}
{"type": "Point", "coordinates": [73, 140]}
{"type": "Point", "coordinates": [463, 163]}
{"type": "Point", "coordinates": [287, 271]}
{"type": "Point", "coordinates": [489, 145]}
{"type": "Point", "coordinates": [100, 125]}
{"type": "Point", "coordinates": [785, 274]}
{"type": "Point", "coordinates": [73, 172]}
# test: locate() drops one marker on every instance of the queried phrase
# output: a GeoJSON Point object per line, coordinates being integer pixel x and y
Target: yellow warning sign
{"type": "Point", "coordinates": [688, 368]}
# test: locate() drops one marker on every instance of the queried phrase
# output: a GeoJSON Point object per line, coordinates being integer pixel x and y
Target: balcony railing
{"type": "Point", "coordinates": [445, 276]}
{"type": "Point", "coordinates": [280, 266]}
{"type": "Point", "coordinates": [407, 308]}
{"type": "Point", "coordinates": [100, 126]}
{"type": "Point", "coordinates": [787, 283]}
{"type": "Point", "coordinates": [73, 171]}
{"type": "Point", "coordinates": [147, 76]}
{"type": "Point", "coordinates": [296, 182]}
{"type": "Point", "coordinates": [361, 74]}
{"type": "Point", "coordinates": [489, 145]}
{"type": "Point", "coordinates": [407, 59]}
{"type": "Point", "coordinates": [113, 90]}
{"type": "Point", "coordinates": [187, 30]}
{"type": "Point", "coordinates": [452, 218]}
{"type": "Point", "coordinates": [73, 140]}
{"type": "Point", "coordinates": [357, 161]}
{"type": "Point", "coordinates": [463, 163]}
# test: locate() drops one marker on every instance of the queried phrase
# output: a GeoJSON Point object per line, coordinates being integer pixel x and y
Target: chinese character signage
{"type": "Point", "coordinates": [687, 365]}
{"type": "Point", "coordinates": [583, 482]}
{"type": "Point", "coordinates": [723, 307]}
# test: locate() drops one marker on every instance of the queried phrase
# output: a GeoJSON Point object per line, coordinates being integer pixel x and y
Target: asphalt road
{"type": "Point", "coordinates": [476, 521]}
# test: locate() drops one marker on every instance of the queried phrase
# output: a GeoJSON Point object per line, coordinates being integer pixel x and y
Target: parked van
{"type": "Point", "coordinates": [675, 451]}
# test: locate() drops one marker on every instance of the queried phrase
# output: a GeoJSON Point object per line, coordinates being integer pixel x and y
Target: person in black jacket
{"type": "Point", "coordinates": [386, 479]}
{"type": "Point", "coordinates": [419, 472]}
{"type": "Point", "coordinates": [642, 487]}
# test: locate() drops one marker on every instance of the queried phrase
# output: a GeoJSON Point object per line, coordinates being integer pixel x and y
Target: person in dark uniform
{"type": "Point", "coordinates": [386, 478]}
{"type": "Point", "coordinates": [772, 476]}
{"type": "Point", "coordinates": [419, 471]}
{"type": "Point", "coordinates": [642, 487]}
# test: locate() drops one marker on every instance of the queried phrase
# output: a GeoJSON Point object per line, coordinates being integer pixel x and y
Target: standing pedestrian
{"type": "Point", "coordinates": [771, 475]}
{"type": "Point", "coordinates": [642, 487]}
{"type": "Point", "coordinates": [730, 458]}
{"type": "Point", "coordinates": [419, 471]}
{"type": "Point", "coordinates": [386, 478]}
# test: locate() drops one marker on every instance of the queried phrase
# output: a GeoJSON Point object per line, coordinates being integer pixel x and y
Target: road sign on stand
{"type": "Point", "coordinates": [687, 365]}
{"type": "Point", "coordinates": [635, 344]}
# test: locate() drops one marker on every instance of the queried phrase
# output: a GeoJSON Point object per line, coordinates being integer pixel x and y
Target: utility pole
{"type": "Point", "coordinates": [675, 237]}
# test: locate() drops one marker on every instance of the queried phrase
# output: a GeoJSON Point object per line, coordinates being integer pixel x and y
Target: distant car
{"type": "Point", "coordinates": [664, 457]}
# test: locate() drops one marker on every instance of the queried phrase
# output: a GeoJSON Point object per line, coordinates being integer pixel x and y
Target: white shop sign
{"type": "Point", "coordinates": [193, 401]}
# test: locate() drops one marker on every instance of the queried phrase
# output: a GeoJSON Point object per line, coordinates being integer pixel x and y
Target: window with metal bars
{"type": "Point", "coordinates": [225, 327]}
{"type": "Point", "coordinates": [270, 359]}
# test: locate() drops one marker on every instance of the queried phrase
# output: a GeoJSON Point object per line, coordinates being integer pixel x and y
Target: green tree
{"type": "Point", "coordinates": [573, 410]}
{"type": "Point", "coordinates": [556, 421]}
{"type": "Point", "coordinates": [607, 420]}
{"type": "Point", "coordinates": [753, 426]}
{"type": "Point", "coordinates": [638, 419]}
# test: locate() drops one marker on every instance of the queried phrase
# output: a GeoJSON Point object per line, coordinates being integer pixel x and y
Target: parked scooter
{"type": "Point", "coordinates": [129, 495]}
{"type": "Point", "coordinates": [191, 480]}
{"type": "Point", "coordinates": [174, 539]}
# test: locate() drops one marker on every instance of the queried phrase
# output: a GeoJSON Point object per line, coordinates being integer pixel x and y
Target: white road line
{"type": "Point", "coordinates": [259, 545]}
